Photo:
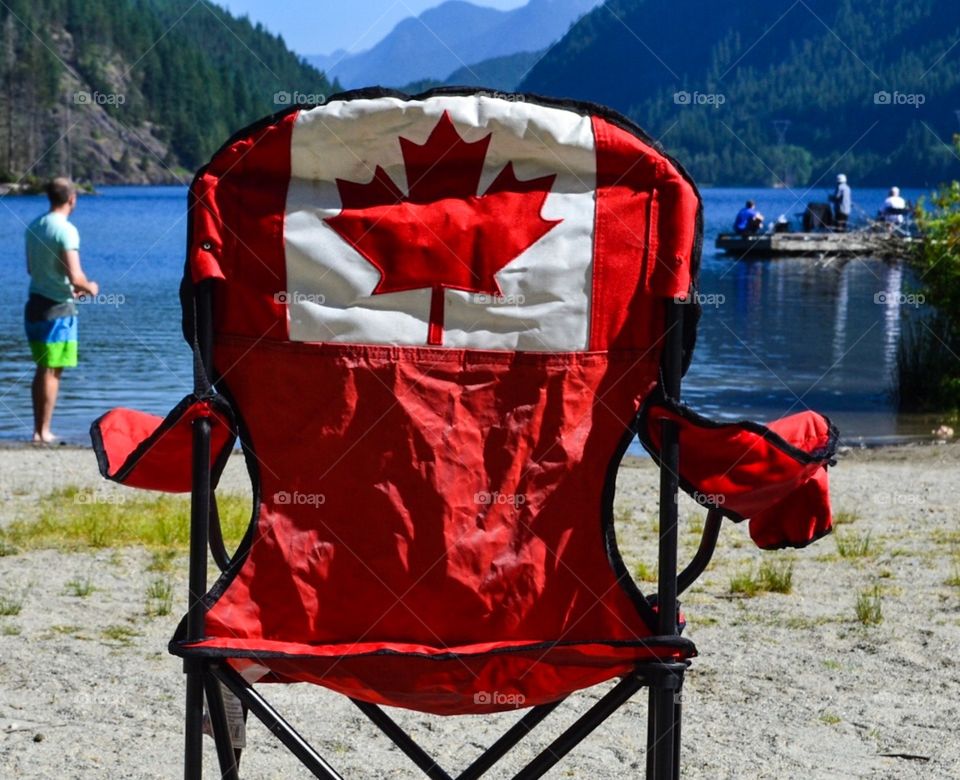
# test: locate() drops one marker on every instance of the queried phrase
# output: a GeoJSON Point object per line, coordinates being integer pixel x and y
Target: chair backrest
{"type": "Point", "coordinates": [436, 319]}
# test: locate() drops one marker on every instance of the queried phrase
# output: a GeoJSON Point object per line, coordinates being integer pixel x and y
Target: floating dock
{"type": "Point", "coordinates": [852, 244]}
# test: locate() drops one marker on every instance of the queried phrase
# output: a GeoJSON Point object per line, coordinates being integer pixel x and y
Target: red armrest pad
{"type": "Point", "coordinates": [774, 475]}
{"type": "Point", "coordinates": [156, 453]}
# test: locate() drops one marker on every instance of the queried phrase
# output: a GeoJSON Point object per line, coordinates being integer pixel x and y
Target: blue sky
{"type": "Point", "coordinates": [314, 27]}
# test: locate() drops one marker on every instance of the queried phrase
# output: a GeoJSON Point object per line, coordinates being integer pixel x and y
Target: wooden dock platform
{"type": "Point", "coordinates": [852, 244]}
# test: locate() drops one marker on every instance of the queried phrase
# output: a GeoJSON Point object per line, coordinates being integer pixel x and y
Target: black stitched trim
{"type": "Point", "coordinates": [823, 455]}
{"type": "Point", "coordinates": [608, 527]}
{"type": "Point", "coordinates": [685, 645]}
{"type": "Point", "coordinates": [795, 545]}
{"type": "Point", "coordinates": [169, 421]}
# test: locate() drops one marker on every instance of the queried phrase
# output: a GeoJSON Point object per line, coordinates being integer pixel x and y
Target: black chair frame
{"type": "Point", "coordinates": [664, 680]}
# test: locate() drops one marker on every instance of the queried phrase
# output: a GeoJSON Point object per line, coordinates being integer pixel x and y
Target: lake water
{"type": "Point", "coordinates": [776, 337]}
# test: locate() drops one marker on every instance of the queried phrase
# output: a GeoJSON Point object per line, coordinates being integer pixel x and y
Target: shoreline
{"type": "Point", "coordinates": [845, 444]}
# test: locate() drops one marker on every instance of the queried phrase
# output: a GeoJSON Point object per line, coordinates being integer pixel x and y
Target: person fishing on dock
{"type": "Point", "coordinates": [50, 316]}
{"type": "Point", "coordinates": [894, 208]}
{"type": "Point", "coordinates": [748, 220]}
{"type": "Point", "coordinates": [842, 200]}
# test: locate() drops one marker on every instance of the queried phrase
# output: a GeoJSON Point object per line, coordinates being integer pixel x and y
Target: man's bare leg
{"type": "Point", "coordinates": [46, 386]}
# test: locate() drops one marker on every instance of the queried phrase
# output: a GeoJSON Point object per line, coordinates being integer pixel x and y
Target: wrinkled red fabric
{"type": "Point", "coordinates": [419, 678]}
{"type": "Point", "coordinates": [774, 475]}
{"type": "Point", "coordinates": [155, 453]}
{"type": "Point", "coordinates": [437, 499]}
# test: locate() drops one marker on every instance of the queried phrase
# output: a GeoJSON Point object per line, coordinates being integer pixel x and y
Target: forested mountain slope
{"type": "Point", "coordinates": [133, 90]}
{"type": "Point", "coordinates": [767, 91]}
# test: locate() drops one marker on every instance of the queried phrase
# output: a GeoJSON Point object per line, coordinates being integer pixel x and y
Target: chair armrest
{"type": "Point", "coordinates": [773, 475]}
{"type": "Point", "coordinates": [155, 453]}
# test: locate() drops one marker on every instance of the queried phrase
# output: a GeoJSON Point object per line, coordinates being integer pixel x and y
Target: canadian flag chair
{"type": "Point", "coordinates": [437, 323]}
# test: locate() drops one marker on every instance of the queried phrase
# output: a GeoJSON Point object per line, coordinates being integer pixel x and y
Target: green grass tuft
{"type": "Point", "coordinates": [830, 718]}
{"type": "Point", "coordinates": [777, 577]}
{"type": "Point", "coordinates": [771, 577]}
{"type": "Point", "coordinates": [80, 587]}
{"type": "Point", "coordinates": [10, 603]}
{"type": "Point", "coordinates": [159, 598]}
{"type": "Point", "coordinates": [65, 522]}
{"type": "Point", "coordinates": [870, 606]}
{"type": "Point", "coordinates": [745, 583]}
{"type": "Point", "coordinates": [845, 518]}
{"type": "Point", "coordinates": [123, 635]}
{"type": "Point", "coordinates": [851, 545]}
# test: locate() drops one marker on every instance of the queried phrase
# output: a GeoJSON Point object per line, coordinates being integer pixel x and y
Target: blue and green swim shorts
{"type": "Point", "coordinates": [52, 332]}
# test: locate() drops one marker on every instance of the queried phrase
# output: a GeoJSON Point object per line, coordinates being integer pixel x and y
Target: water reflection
{"type": "Point", "coordinates": [840, 321]}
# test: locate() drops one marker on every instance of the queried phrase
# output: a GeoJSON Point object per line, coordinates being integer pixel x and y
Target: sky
{"type": "Point", "coordinates": [322, 26]}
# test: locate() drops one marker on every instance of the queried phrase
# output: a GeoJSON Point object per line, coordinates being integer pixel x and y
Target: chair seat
{"type": "Point", "coordinates": [466, 679]}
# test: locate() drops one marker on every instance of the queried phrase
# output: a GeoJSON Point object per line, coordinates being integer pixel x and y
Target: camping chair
{"type": "Point", "coordinates": [436, 324]}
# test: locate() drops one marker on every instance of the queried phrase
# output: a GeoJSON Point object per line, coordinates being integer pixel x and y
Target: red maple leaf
{"type": "Point", "coordinates": [442, 233]}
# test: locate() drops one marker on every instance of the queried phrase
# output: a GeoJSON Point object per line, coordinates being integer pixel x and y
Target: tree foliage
{"type": "Point", "coordinates": [929, 358]}
{"type": "Point", "coordinates": [869, 88]}
{"type": "Point", "coordinates": [190, 72]}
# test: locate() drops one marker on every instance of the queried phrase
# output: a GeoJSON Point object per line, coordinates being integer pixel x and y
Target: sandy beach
{"type": "Point", "coordinates": [788, 685]}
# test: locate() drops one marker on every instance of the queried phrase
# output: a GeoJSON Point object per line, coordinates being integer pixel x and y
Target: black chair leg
{"type": "Point", "coordinates": [663, 723]}
{"type": "Point", "coordinates": [221, 729]}
{"type": "Point", "coordinates": [677, 721]}
{"type": "Point", "coordinates": [651, 729]}
{"type": "Point", "coordinates": [193, 736]}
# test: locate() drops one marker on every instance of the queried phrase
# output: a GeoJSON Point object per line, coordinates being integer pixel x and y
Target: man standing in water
{"type": "Point", "coordinates": [53, 262]}
{"type": "Point", "coordinates": [842, 200]}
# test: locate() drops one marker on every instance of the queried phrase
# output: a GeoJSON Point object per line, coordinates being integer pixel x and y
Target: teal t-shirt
{"type": "Point", "coordinates": [48, 237]}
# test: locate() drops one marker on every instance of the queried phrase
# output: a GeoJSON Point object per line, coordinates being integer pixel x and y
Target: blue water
{"type": "Point", "coordinates": [131, 354]}
{"type": "Point", "coordinates": [776, 336]}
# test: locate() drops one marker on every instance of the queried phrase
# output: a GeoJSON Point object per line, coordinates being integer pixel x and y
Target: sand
{"type": "Point", "coordinates": [787, 685]}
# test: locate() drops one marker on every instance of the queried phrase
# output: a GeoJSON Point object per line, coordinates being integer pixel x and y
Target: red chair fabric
{"type": "Point", "coordinates": [774, 475]}
{"type": "Point", "coordinates": [438, 319]}
{"type": "Point", "coordinates": [144, 451]}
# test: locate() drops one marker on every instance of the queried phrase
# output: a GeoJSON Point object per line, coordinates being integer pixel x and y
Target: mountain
{"type": "Point", "coordinates": [323, 62]}
{"type": "Point", "coordinates": [775, 91]}
{"type": "Point", "coordinates": [503, 73]}
{"type": "Point", "coordinates": [452, 35]}
{"type": "Point", "coordinates": [134, 90]}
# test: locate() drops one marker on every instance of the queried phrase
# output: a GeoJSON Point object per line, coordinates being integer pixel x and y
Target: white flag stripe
{"type": "Point", "coordinates": [545, 299]}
